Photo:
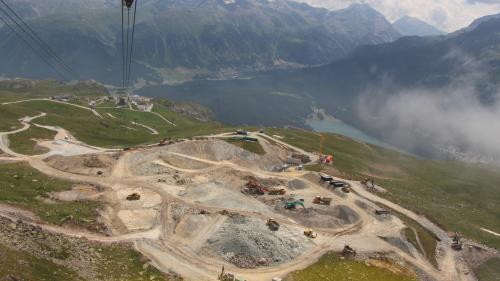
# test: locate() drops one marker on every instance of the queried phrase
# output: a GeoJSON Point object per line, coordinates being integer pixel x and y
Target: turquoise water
{"type": "Point", "coordinates": [341, 128]}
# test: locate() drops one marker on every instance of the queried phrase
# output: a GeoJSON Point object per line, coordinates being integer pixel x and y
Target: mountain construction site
{"type": "Point", "coordinates": [205, 209]}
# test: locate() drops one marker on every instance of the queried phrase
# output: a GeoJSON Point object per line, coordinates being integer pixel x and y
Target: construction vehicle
{"type": "Point", "coordinates": [346, 189]}
{"type": "Point", "coordinates": [456, 244]}
{"type": "Point", "coordinates": [273, 224]}
{"type": "Point", "coordinates": [165, 141]}
{"type": "Point", "coordinates": [255, 187]}
{"type": "Point", "coordinates": [293, 205]}
{"type": "Point", "coordinates": [348, 251]}
{"type": "Point", "coordinates": [309, 233]}
{"type": "Point", "coordinates": [227, 276]}
{"type": "Point", "coordinates": [325, 177]}
{"type": "Point", "coordinates": [381, 212]}
{"type": "Point", "coordinates": [322, 200]}
{"type": "Point", "coordinates": [337, 183]}
{"type": "Point", "coordinates": [280, 191]}
{"type": "Point", "coordinates": [134, 197]}
{"type": "Point", "coordinates": [369, 183]}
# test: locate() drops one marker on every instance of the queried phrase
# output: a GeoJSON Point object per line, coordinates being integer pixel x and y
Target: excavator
{"type": "Point", "coordinates": [293, 205]}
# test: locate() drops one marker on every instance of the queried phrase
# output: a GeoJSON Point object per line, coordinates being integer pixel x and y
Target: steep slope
{"type": "Point", "coordinates": [358, 89]}
{"type": "Point", "coordinates": [409, 26]}
{"type": "Point", "coordinates": [181, 40]}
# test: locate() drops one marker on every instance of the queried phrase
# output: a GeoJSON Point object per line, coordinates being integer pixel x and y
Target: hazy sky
{"type": "Point", "coordinates": [447, 15]}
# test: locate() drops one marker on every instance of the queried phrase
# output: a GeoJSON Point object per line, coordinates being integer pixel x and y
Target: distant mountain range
{"type": "Point", "coordinates": [409, 26]}
{"type": "Point", "coordinates": [178, 40]}
{"type": "Point", "coordinates": [470, 57]}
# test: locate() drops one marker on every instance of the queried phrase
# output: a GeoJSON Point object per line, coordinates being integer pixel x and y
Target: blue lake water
{"type": "Point", "coordinates": [338, 127]}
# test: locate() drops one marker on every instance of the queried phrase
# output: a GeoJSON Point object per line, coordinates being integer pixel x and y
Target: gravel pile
{"type": "Point", "coordinates": [248, 243]}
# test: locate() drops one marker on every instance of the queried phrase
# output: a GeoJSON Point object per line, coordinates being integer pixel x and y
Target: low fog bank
{"type": "Point", "coordinates": [453, 123]}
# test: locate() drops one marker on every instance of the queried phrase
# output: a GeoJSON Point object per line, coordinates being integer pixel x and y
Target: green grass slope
{"type": "Point", "coordinates": [458, 196]}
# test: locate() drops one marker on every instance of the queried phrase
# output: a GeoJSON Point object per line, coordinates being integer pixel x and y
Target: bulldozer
{"type": "Point", "coordinates": [280, 191]}
{"type": "Point", "coordinates": [273, 224]}
{"type": "Point", "coordinates": [322, 200]}
{"type": "Point", "coordinates": [293, 205]}
{"type": "Point", "coordinates": [309, 233]}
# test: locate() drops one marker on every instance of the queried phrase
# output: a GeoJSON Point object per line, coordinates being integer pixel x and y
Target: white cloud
{"type": "Point", "coordinates": [448, 15]}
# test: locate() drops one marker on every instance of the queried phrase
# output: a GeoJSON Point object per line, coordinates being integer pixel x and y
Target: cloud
{"type": "Point", "coordinates": [421, 119]}
{"type": "Point", "coordinates": [449, 15]}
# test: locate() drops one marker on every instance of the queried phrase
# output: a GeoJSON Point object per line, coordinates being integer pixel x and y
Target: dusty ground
{"type": "Point", "coordinates": [90, 165]}
{"type": "Point", "coordinates": [193, 215]}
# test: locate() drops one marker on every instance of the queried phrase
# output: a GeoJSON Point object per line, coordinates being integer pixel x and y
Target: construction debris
{"type": "Point", "coordinates": [322, 200]}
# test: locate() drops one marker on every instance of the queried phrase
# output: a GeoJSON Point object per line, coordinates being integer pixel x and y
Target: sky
{"type": "Point", "coordinates": [447, 15]}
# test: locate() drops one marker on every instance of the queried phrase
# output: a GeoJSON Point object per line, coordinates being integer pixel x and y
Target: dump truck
{"type": "Point", "coordinates": [280, 191]}
{"type": "Point", "coordinates": [381, 212]}
{"type": "Point", "coordinates": [293, 204]}
{"type": "Point", "coordinates": [337, 183]}
{"type": "Point", "coordinates": [322, 200]}
{"type": "Point", "coordinates": [273, 224]}
{"type": "Point", "coordinates": [325, 177]}
{"type": "Point", "coordinates": [309, 233]}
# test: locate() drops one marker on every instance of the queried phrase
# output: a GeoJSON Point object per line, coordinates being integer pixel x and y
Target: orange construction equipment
{"type": "Point", "coordinates": [255, 187]}
{"type": "Point", "coordinates": [322, 200]}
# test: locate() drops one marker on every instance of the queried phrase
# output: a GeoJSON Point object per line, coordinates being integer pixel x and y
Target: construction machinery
{"type": "Point", "coordinates": [273, 224]}
{"type": "Point", "coordinates": [293, 204]}
{"type": "Point", "coordinates": [337, 183]}
{"type": "Point", "coordinates": [369, 183]}
{"type": "Point", "coordinates": [381, 212]}
{"type": "Point", "coordinates": [309, 233]}
{"type": "Point", "coordinates": [134, 197]}
{"type": "Point", "coordinates": [255, 187]}
{"type": "Point", "coordinates": [325, 177]}
{"type": "Point", "coordinates": [322, 200]}
{"type": "Point", "coordinates": [456, 244]}
{"type": "Point", "coordinates": [348, 251]}
{"type": "Point", "coordinates": [280, 191]}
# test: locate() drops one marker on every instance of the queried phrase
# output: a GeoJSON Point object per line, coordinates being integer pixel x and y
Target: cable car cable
{"type": "Point", "coordinates": [31, 46]}
{"type": "Point", "coordinates": [37, 39]}
{"type": "Point", "coordinates": [131, 46]}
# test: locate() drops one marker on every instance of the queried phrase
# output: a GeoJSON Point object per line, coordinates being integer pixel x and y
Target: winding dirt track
{"type": "Point", "coordinates": [168, 255]}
